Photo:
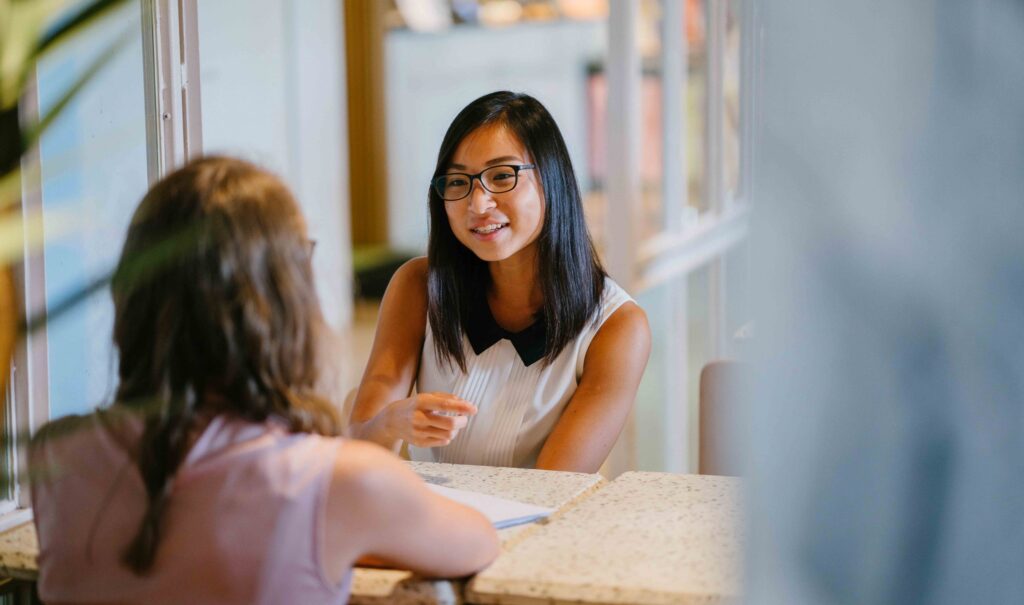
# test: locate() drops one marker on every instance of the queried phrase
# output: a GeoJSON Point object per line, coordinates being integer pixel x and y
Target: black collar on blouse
{"type": "Point", "coordinates": [483, 331]}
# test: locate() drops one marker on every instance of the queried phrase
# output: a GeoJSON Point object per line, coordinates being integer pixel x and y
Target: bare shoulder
{"type": "Point", "coordinates": [357, 458]}
{"type": "Point", "coordinates": [365, 470]}
{"type": "Point", "coordinates": [411, 276]}
{"type": "Point", "coordinates": [406, 295]}
{"type": "Point", "coordinates": [624, 336]}
{"type": "Point", "coordinates": [628, 320]}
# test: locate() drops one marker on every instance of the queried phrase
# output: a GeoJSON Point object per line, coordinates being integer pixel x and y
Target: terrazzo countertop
{"type": "Point", "coordinates": [542, 488]}
{"type": "Point", "coordinates": [645, 538]}
{"type": "Point", "coordinates": [19, 550]}
{"type": "Point", "coordinates": [553, 489]}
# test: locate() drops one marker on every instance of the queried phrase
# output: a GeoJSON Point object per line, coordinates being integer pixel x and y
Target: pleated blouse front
{"type": "Point", "coordinates": [519, 400]}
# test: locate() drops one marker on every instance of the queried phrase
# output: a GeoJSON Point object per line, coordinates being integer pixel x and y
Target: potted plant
{"type": "Point", "coordinates": [28, 30]}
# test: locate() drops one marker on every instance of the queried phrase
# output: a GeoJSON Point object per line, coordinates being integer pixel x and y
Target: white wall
{"type": "Point", "coordinates": [273, 92]}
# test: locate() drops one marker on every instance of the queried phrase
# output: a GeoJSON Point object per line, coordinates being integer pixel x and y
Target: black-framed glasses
{"type": "Point", "coordinates": [496, 179]}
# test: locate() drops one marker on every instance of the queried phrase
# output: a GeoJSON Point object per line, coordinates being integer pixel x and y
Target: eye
{"type": "Point", "coordinates": [502, 173]}
{"type": "Point", "coordinates": [454, 181]}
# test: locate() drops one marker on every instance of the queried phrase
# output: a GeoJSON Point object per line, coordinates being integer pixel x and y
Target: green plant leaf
{"type": "Point", "coordinates": [10, 139]}
{"type": "Point", "coordinates": [21, 22]}
{"type": "Point", "coordinates": [86, 16]}
{"type": "Point", "coordinates": [32, 132]}
{"type": "Point", "coordinates": [27, 231]}
{"type": "Point", "coordinates": [137, 268]}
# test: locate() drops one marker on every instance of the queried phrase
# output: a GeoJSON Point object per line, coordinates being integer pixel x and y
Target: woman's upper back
{"type": "Point", "coordinates": [242, 525]}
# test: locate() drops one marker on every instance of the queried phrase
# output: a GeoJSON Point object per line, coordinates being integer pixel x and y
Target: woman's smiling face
{"type": "Point", "coordinates": [496, 226]}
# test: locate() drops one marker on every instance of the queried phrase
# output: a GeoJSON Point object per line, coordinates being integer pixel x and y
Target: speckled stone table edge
{"type": "Point", "coordinates": [415, 590]}
{"type": "Point", "coordinates": [530, 529]}
{"type": "Point", "coordinates": [526, 593]}
{"type": "Point", "coordinates": [412, 590]}
{"type": "Point", "coordinates": [18, 552]}
{"type": "Point", "coordinates": [486, 590]}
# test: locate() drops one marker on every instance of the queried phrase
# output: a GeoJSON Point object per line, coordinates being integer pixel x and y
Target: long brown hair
{"type": "Point", "coordinates": [215, 312]}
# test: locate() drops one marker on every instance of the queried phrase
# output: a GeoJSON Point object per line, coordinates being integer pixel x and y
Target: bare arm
{"type": "Point", "coordinates": [383, 411]}
{"type": "Point", "coordinates": [593, 419]}
{"type": "Point", "coordinates": [379, 510]}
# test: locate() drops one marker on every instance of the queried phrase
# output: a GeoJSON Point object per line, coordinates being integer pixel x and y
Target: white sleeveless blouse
{"type": "Point", "coordinates": [518, 402]}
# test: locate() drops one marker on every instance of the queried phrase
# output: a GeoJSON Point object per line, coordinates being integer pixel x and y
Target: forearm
{"type": "Point", "coordinates": [586, 433]}
{"type": "Point", "coordinates": [376, 430]}
{"type": "Point", "coordinates": [468, 543]}
{"type": "Point", "coordinates": [372, 418]}
{"type": "Point", "coordinates": [583, 460]}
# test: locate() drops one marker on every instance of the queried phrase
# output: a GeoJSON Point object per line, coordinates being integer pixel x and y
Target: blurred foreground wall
{"type": "Point", "coordinates": [886, 456]}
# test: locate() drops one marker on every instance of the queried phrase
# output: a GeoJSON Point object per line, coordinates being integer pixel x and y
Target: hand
{"type": "Point", "coordinates": [428, 419]}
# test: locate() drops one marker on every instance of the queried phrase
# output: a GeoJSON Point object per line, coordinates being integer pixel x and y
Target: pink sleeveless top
{"type": "Point", "coordinates": [244, 522]}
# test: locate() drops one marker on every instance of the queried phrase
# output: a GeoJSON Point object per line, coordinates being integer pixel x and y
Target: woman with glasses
{"type": "Point", "coordinates": [507, 345]}
{"type": "Point", "coordinates": [217, 477]}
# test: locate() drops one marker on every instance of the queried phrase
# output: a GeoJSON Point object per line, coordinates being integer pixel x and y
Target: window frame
{"type": "Point", "coordinates": [683, 247]}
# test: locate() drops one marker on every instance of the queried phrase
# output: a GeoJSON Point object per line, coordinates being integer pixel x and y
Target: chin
{"type": "Point", "coordinates": [491, 255]}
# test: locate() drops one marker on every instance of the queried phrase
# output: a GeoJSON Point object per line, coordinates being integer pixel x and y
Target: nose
{"type": "Point", "coordinates": [480, 200]}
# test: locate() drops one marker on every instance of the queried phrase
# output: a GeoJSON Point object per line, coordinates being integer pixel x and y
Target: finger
{"type": "Point", "coordinates": [431, 437]}
{"type": "Point", "coordinates": [446, 402]}
{"type": "Point", "coordinates": [424, 432]}
{"type": "Point", "coordinates": [433, 443]}
{"type": "Point", "coordinates": [448, 423]}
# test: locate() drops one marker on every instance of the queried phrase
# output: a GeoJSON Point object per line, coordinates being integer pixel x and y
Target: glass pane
{"type": "Point", "coordinates": [93, 173]}
{"type": "Point", "coordinates": [731, 100]}
{"type": "Point", "coordinates": [655, 399]}
{"type": "Point", "coordinates": [739, 327]}
{"type": "Point", "coordinates": [694, 102]}
{"type": "Point", "coordinates": [652, 212]}
{"type": "Point", "coordinates": [667, 402]}
{"type": "Point", "coordinates": [699, 346]}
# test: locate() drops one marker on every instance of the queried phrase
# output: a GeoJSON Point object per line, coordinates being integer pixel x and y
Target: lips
{"type": "Point", "coordinates": [489, 229]}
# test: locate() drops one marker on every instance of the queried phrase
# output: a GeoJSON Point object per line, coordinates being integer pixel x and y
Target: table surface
{"type": "Point", "coordinates": [19, 549]}
{"type": "Point", "coordinates": [644, 538]}
{"type": "Point", "coordinates": [557, 490]}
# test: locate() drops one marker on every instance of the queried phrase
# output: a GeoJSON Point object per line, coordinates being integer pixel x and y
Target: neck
{"type": "Point", "coordinates": [514, 283]}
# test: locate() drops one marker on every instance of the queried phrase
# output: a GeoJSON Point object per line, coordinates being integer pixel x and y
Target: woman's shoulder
{"type": "Point", "coordinates": [414, 268]}
{"type": "Point", "coordinates": [73, 428]}
{"type": "Point", "coordinates": [622, 319]}
{"type": "Point", "coordinates": [613, 299]}
{"type": "Point", "coordinates": [624, 328]}
{"type": "Point", "coordinates": [411, 277]}
{"type": "Point", "coordinates": [613, 293]}
{"type": "Point", "coordinates": [80, 441]}
{"type": "Point", "coordinates": [365, 469]}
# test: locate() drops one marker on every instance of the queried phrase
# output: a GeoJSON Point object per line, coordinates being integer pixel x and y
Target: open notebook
{"type": "Point", "coordinates": [501, 511]}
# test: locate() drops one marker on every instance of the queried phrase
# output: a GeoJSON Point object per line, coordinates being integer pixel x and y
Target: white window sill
{"type": "Point", "coordinates": [15, 518]}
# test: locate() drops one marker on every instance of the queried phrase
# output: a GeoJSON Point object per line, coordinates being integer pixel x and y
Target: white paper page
{"type": "Point", "coordinates": [502, 512]}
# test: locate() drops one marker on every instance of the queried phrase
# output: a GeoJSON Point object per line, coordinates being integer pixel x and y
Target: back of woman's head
{"type": "Point", "coordinates": [215, 312]}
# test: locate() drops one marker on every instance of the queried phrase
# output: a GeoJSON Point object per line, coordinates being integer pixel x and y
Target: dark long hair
{"type": "Point", "coordinates": [570, 273]}
{"type": "Point", "coordinates": [215, 311]}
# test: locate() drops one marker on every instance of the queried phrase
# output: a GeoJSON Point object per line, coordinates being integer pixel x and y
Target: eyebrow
{"type": "Point", "coordinates": [502, 160]}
